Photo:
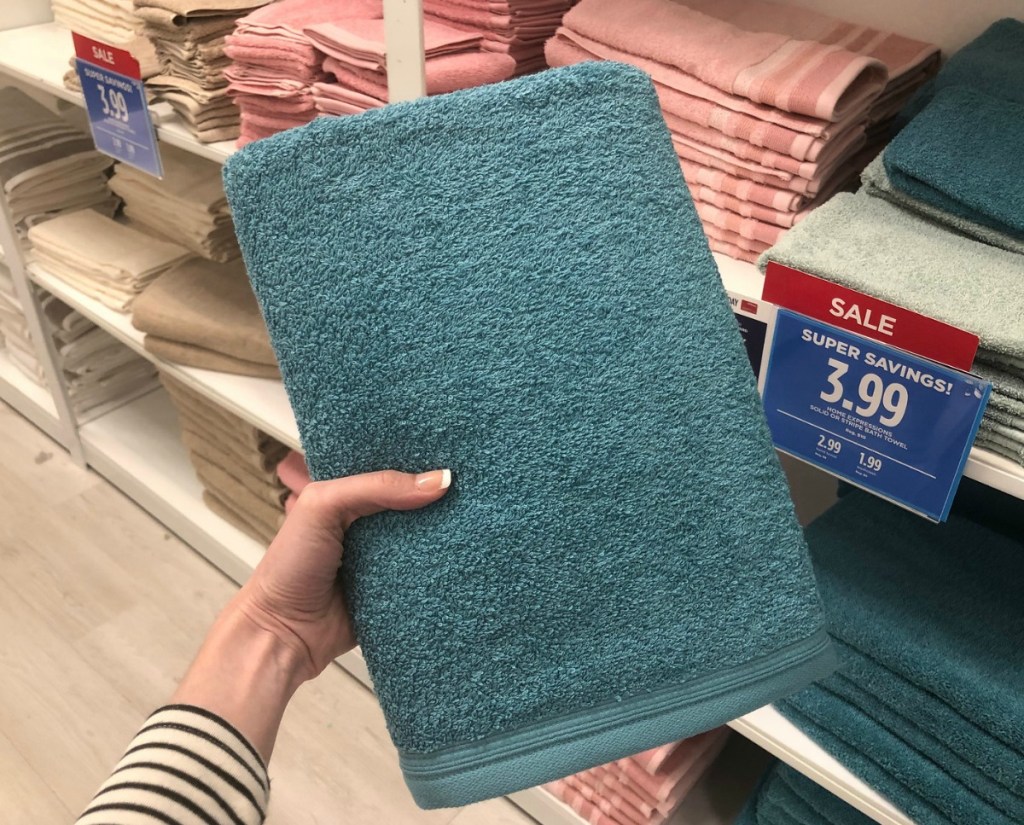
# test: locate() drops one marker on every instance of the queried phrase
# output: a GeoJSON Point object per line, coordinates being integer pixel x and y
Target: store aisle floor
{"type": "Point", "coordinates": [101, 610]}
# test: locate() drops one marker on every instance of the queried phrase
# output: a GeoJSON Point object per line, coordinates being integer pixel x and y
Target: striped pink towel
{"type": "Point", "coordinates": [776, 69]}
{"type": "Point", "coordinates": [575, 800]}
{"type": "Point", "coordinates": [764, 194]}
{"type": "Point", "coordinates": [749, 229]}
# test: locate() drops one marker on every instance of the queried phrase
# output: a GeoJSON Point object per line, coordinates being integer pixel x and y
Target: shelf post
{"type": "Point", "coordinates": [403, 26]}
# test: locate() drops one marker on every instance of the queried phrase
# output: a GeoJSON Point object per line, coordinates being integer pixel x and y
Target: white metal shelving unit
{"type": "Point", "coordinates": [137, 446]}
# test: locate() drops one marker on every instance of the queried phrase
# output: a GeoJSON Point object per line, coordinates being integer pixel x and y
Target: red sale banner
{"type": "Point", "coordinates": [871, 317]}
{"type": "Point", "coordinates": [107, 57]}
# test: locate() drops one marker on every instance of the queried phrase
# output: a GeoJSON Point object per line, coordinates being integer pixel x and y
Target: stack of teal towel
{"type": "Point", "coordinates": [786, 797]}
{"type": "Point", "coordinates": [938, 225]}
{"type": "Point", "coordinates": [928, 704]}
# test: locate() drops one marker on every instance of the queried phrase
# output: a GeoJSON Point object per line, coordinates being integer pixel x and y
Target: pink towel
{"type": "Point", "coordinates": [293, 472]}
{"type": "Point", "coordinates": [361, 42]}
{"type": "Point", "coordinates": [683, 758]}
{"type": "Point", "coordinates": [747, 228]}
{"type": "Point", "coordinates": [603, 805]}
{"type": "Point", "coordinates": [290, 17]}
{"type": "Point", "coordinates": [578, 803]}
{"type": "Point", "coordinates": [732, 251]}
{"type": "Point", "coordinates": [764, 194]}
{"type": "Point", "coordinates": [776, 69]}
{"type": "Point", "coordinates": [335, 99]}
{"type": "Point", "coordinates": [747, 209]}
{"type": "Point", "coordinates": [446, 73]}
{"type": "Point", "coordinates": [288, 57]}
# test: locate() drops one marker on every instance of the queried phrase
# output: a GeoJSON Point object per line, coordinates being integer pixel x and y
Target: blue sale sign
{"type": "Point", "coordinates": [888, 421]}
{"type": "Point", "coordinates": [115, 100]}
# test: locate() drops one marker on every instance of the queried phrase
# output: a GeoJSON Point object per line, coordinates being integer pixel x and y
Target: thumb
{"type": "Point", "coordinates": [339, 502]}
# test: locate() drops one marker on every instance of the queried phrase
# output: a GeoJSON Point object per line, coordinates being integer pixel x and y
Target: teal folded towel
{"type": "Point", "coordinates": [876, 182]}
{"type": "Point", "coordinates": [962, 155]}
{"type": "Point", "coordinates": [873, 246]}
{"type": "Point", "coordinates": [511, 281]}
{"type": "Point", "coordinates": [787, 797]}
{"type": "Point", "coordinates": [929, 622]}
{"type": "Point", "coordinates": [993, 63]}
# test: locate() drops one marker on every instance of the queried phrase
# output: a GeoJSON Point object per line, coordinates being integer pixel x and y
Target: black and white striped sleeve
{"type": "Point", "coordinates": [186, 766]}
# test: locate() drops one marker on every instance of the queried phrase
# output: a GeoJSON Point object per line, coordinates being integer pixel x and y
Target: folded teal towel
{"type": "Point", "coordinates": [511, 281]}
{"type": "Point", "coordinates": [962, 155]}
{"type": "Point", "coordinates": [993, 63]}
{"type": "Point", "coordinates": [876, 182]}
{"type": "Point", "coordinates": [785, 796]}
{"type": "Point", "coordinates": [931, 624]}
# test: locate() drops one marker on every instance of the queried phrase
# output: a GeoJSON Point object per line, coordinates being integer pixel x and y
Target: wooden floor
{"type": "Point", "coordinates": [101, 610]}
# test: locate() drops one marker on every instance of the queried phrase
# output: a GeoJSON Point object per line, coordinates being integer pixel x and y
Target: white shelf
{"type": "Point", "coordinates": [776, 734]}
{"type": "Point", "coordinates": [28, 398]}
{"type": "Point", "coordinates": [38, 56]}
{"type": "Point", "coordinates": [262, 402]}
{"type": "Point", "coordinates": [138, 448]}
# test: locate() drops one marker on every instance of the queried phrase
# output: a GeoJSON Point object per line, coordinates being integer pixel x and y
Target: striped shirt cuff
{"type": "Point", "coordinates": [186, 765]}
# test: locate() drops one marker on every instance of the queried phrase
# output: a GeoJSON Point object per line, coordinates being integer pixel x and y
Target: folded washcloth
{"type": "Point", "coordinates": [871, 245]}
{"type": "Point", "coordinates": [962, 155]}
{"type": "Point", "coordinates": [876, 182]}
{"type": "Point", "coordinates": [208, 306]}
{"type": "Point", "coordinates": [786, 797]}
{"type": "Point", "coordinates": [758, 63]}
{"type": "Point", "coordinates": [944, 621]}
{"type": "Point", "coordinates": [508, 344]}
{"type": "Point", "coordinates": [444, 74]}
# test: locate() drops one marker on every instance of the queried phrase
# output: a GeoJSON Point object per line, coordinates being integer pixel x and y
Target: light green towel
{"type": "Point", "coordinates": [876, 183]}
{"type": "Point", "coordinates": [876, 247]}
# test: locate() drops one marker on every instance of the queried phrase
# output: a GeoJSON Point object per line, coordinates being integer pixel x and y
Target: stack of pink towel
{"type": "Point", "coordinates": [294, 475]}
{"type": "Point", "coordinates": [355, 58]}
{"type": "Point", "coordinates": [517, 28]}
{"type": "Point", "coordinates": [274, 64]}
{"type": "Point", "coordinates": [772, 108]}
{"type": "Point", "coordinates": [645, 789]}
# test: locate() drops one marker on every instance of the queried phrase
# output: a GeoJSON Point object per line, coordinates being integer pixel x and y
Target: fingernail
{"type": "Point", "coordinates": [434, 480]}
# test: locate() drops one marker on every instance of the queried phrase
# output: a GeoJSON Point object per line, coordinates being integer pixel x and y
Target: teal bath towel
{"type": "Point", "coordinates": [962, 155]}
{"type": "Point", "coordinates": [787, 797]}
{"type": "Point", "coordinates": [876, 182]}
{"type": "Point", "coordinates": [511, 281]}
{"type": "Point", "coordinates": [928, 704]}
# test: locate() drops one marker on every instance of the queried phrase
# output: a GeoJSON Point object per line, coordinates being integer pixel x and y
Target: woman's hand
{"type": "Point", "coordinates": [290, 621]}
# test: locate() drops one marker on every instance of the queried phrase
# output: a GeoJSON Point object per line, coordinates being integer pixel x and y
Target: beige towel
{"type": "Point", "coordinates": [210, 306]}
{"type": "Point", "coordinates": [207, 460]}
{"type": "Point", "coordinates": [233, 515]}
{"type": "Point", "coordinates": [191, 356]}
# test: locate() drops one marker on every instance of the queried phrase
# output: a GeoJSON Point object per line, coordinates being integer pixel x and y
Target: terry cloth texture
{"type": "Point", "coordinates": [772, 108]}
{"type": "Point", "coordinates": [503, 332]}
{"type": "Point", "coordinates": [14, 334]}
{"type": "Point", "coordinates": [234, 462]}
{"type": "Point", "coordinates": [47, 166]}
{"type": "Point", "coordinates": [186, 206]}
{"type": "Point", "coordinates": [204, 314]}
{"type": "Point", "coordinates": [876, 182]}
{"type": "Point", "coordinates": [926, 706]}
{"type": "Point", "coordinates": [786, 797]}
{"type": "Point", "coordinates": [962, 155]}
{"type": "Point", "coordinates": [110, 21]}
{"type": "Point", "coordinates": [645, 789]}
{"type": "Point", "coordinates": [103, 258]}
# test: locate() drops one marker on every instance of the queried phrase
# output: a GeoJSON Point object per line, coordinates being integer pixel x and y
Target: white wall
{"type": "Point", "coordinates": [14, 13]}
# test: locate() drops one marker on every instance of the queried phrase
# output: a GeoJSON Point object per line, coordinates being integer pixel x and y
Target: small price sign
{"type": "Point", "coordinates": [115, 100]}
{"type": "Point", "coordinates": [881, 418]}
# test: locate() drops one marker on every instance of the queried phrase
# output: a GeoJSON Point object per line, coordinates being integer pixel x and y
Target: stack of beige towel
{"type": "Point", "coordinates": [101, 257]}
{"type": "Point", "coordinates": [14, 334]}
{"type": "Point", "coordinates": [772, 108]}
{"type": "Point", "coordinates": [100, 372]}
{"type": "Point", "coordinates": [187, 206]}
{"type": "Point", "coordinates": [113, 22]}
{"type": "Point", "coordinates": [189, 37]}
{"type": "Point", "coordinates": [235, 463]}
{"type": "Point", "coordinates": [47, 166]}
{"type": "Point", "coordinates": [202, 314]}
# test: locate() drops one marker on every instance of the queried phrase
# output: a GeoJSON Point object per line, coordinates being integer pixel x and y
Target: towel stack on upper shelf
{"type": "Point", "coordinates": [771, 107]}
{"type": "Point", "coordinates": [645, 789]}
{"type": "Point", "coordinates": [927, 704]}
{"type": "Point", "coordinates": [113, 22]}
{"type": "Point", "coordinates": [203, 314]}
{"type": "Point", "coordinates": [14, 334]}
{"type": "Point", "coordinates": [517, 28]}
{"type": "Point", "coordinates": [100, 372]}
{"type": "Point", "coordinates": [101, 257]}
{"type": "Point", "coordinates": [940, 215]}
{"type": "Point", "coordinates": [47, 166]}
{"type": "Point", "coordinates": [189, 37]}
{"type": "Point", "coordinates": [235, 462]}
{"type": "Point", "coordinates": [786, 797]}
{"type": "Point", "coordinates": [187, 206]}
{"type": "Point", "coordinates": [275, 65]}
{"type": "Point", "coordinates": [355, 57]}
